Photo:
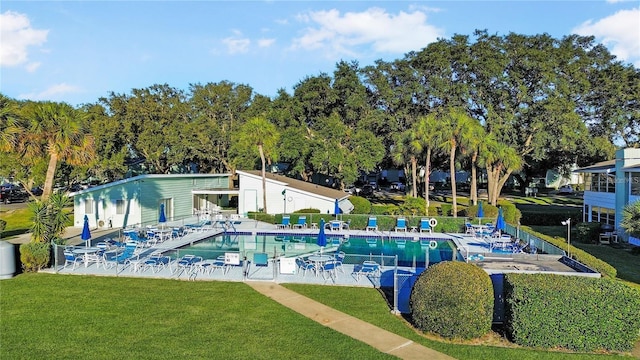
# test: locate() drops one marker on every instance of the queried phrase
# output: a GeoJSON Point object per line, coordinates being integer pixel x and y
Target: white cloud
{"type": "Point", "coordinates": [17, 36]}
{"type": "Point", "coordinates": [620, 32]}
{"type": "Point", "coordinates": [54, 92]}
{"type": "Point", "coordinates": [266, 42]}
{"type": "Point", "coordinates": [237, 43]}
{"type": "Point", "coordinates": [384, 32]}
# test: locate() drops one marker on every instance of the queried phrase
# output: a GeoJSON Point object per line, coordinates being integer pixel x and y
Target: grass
{"type": "Point", "coordinates": [88, 317]}
{"type": "Point", "coordinates": [17, 222]}
{"type": "Point", "coordinates": [48, 316]}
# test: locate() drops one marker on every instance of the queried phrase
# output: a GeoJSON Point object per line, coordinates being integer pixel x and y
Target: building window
{"type": "Point", "coordinates": [88, 206]}
{"type": "Point", "coordinates": [611, 183]}
{"type": "Point", "coordinates": [120, 207]}
{"type": "Point", "coordinates": [635, 184]}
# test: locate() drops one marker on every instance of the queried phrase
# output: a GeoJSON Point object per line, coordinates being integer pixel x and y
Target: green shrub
{"type": "Point", "coordinates": [573, 312]}
{"type": "Point", "coordinates": [383, 209]}
{"type": "Point", "coordinates": [34, 256]}
{"type": "Point", "coordinates": [3, 224]}
{"type": "Point", "coordinates": [446, 210]}
{"type": "Point", "coordinates": [268, 218]}
{"type": "Point", "coordinates": [413, 206]}
{"type": "Point", "coordinates": [453, 299]}
{"type": "Point", "coordinates": [307, 211]}
{"type": "Point", "coordinates": [360, 205]}
{"type": "Point", "coordinates": [576, 253]}
{"type": "Point", "coordinates": [587, 232]}
{"type": "Point", "coordinates": [510, 212]}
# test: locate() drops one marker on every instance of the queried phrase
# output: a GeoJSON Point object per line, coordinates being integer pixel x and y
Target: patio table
{"type": "Point", "coordinates": [85, 252]}
{"type": "Point", "coordinates": [319, 260]}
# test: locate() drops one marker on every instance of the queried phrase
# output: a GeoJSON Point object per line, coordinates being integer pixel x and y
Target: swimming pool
{"type": "Point", "coordinates": [411, 252]}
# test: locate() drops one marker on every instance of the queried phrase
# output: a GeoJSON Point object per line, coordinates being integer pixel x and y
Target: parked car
{"type": "Point", "coordinates": [13, 194]}
{"type": "Point", "coordinates": [397, 186]}
{"type": "Point", "coordinates": [37, 191]}
{"type": "Point", "coordinates": [565, 190]}
{"type": "Point", "coordinates": [367, 190]}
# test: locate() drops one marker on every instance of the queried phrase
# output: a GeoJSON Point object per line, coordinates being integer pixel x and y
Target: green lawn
{"type": "Point", "coordinates": [17, 222]}
{"type": "Point", "coordinates": [69, 316]}
{"type": "Point", "coordinates": [81, 317]}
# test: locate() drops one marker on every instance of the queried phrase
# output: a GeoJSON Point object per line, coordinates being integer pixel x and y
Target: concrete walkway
{"type": "Point", "coordinates": [376, 337]}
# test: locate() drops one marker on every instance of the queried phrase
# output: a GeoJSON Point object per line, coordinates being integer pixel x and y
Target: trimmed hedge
{"type": "Point", "coordinates": [360, 205]}
{"type": "Point", "coordinates": [576, 253]}
{"type": "Point", "coordinates": [453, 299]}
{"type": "Point", "coordinates": [572, 312]}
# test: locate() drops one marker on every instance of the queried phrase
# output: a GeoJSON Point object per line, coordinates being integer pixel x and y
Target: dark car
{"type": "Point", "coordinates": [367, 190]}
{"type": "Point", "coordinates": [13, 194]}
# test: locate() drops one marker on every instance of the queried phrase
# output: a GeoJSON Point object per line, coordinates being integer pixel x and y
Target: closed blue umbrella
{"type": "Point", "coordinates": [500, 224]}
{"type": "Point", "coordinates": [86, 233]}
{"type": "Point", "coordinates": [163, 218]}
{"type": "Point", "coordinates": [480, 213]}
{"type": "Point", "coordinates": [322, 237]}
{"type": "Point", "coordinates": [336, 208]}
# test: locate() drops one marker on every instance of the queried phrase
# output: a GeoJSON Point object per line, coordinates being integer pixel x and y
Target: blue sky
{"type": "Point", "coordinates": [79, 51]}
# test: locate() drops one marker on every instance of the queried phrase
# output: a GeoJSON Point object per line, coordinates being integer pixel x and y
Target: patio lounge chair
{"type": "Point", "coordinates": [372, 224]}
{"type": "Point", "coordinates": [285, 224]}
{"type": "Point", "coordinates": [302, 223]}
{"type": "Point", "coordinates": [368, 268]}
{"type": "Point", "coordinates": [401, 224]}
{"type": "Point", "coordinates": [425, 226]}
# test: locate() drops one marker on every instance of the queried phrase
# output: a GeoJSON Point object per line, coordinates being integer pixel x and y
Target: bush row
{"type": "Point", "coordinates": [573, 312]}
{"type": "Point", "coordinates": [577, 254]}
{"type": "Point", "coordinates": [546, 218]}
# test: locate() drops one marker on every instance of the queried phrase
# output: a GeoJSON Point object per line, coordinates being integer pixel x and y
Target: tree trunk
{"type": "Point", "coordinates": [264, 180]}
{"type": "Point", "coordinates": [452, 171]}
{"type": "Point", "coordinates": [414, 177]}
{"type": "Point", "coordinates": [473, 190]}
{"type": "Point", "coordinates": [427, 172]}
{"type": "Point", "coordinates": [51, 174]}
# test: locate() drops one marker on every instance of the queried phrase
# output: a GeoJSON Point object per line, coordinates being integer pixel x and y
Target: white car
{"type": "Point", "coordinates": [565, 190]}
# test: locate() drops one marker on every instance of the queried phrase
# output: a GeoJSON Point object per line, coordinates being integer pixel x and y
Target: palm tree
{"type": "Point", "coordinates": [427, 137]}
{"type": "Point", "coordinates": [403, 151]}
{"type": "Point", "coordinates": [55, 130]}
{"type": "Point", "coordinates": [262, 134]}
{"type": "Point", "coordinates": [453, 121]}
{"type": "Point", "coordinates": [631, 219]}
{"type": "Point", "coordinates": [501, 161]}
{"type": "Point", "coordinates": [470, 143]}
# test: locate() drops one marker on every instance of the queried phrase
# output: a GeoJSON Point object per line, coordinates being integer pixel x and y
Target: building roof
{"type": "Point", "coordinates": [146, 176]}
{"type": "Point", "coordinates": [608, 166]}
{"type": "Point", "coordinates": [300, 185]}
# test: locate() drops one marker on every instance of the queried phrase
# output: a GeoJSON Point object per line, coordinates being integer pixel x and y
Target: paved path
{"type": "Point", "coordinates": [376, 337]}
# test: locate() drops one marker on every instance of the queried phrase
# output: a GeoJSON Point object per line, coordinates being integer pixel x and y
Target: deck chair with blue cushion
{"type": "Point", "coordinates": [368, 268]}
{"type": "Point", "coordinates": [285, 224]}
{"type": "Point", "coordinates": [424, 225]}
{"type": "Point", "coordinates": [260, 260]}
{"type": "Point", "coordinates": [72, 259]}
{"type": "Point", "coordinates": [302, 222]}
{"type": "Point", "coordinates": [304, 266]}
{"type": "Point", "coordinates": [401, 224]}
{"type": "Point", "coordinates": [372, 224]}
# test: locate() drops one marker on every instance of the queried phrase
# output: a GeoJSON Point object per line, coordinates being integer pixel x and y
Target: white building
{"type": "Point", "coordinates": [609, 187]}
{"type": "Point", "coordinates": [286, 195]}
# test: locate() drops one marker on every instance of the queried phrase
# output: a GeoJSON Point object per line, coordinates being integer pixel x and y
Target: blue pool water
{"type": "Point", "coordinates": [410, 252]}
